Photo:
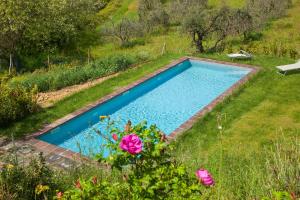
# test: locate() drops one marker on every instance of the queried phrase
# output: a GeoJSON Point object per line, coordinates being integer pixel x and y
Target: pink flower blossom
{"type": "Point", "coordinates": [59, 195]}
{"type": "Point", "coordinates": [77, 184]}
{"type": "Point", "coordinates": [205, 177]}
{"type": "Point", "coordinates": [94, 180]}
{"type": "Point", "coordinates": [132, 144]}
{"type": "Point", "coordinates": [115, 137]}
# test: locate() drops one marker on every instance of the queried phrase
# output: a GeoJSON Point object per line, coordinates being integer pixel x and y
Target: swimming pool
{"type": "Point", "coordinates": [168, 99]}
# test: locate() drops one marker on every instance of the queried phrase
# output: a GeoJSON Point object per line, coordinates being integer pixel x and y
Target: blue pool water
{"type": "Point", "coordinates": [167, 100]}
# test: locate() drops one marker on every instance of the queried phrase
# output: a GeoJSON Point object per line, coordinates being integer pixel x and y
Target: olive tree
{"type": "Point", "coordinates": [152, 14]}
{"type": "Point", "coordinates": [124, 30]}
{"type": "Point", "coordinates": [215, 25]}
{"type": "Point", "coordinates": [243, 23]}
{"type": "Point", "coordinates": [179, 9]}
{"type": "Point", "coordinates": [263, 10]}
{"type": "Point", "coordinates": [203, 25]}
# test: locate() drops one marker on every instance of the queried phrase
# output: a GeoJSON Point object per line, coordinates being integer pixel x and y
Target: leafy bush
{"type": "Point", "coordinates": [16, 102]}
{"type": "Point", "coordinates": [143, 158]}
{"type": "Point", "coordinates": [62, 76]}
{"type": "Point", "coordinates": [36, 181]}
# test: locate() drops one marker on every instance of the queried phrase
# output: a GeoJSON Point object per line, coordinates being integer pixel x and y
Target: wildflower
{"type": "Point", "coordinates": [41, 188]}
{"type": "Point", "coordinates": [94, 180]}
{"type": "Point", "coordinates": [77, 184]}
{"type": "Point", "coordinates": [205, 177]}
{"type": "Point", "coordinates": [59, 195]}
{"type": "Point", "coordinates": [10, 166]}
{"type": "Point", "coordinates": [103, 117]}
{"type": "Point", "coordinates": [220, 127]}
{"type": "Point", "coordinates": [115, 137]}
{"type": "Point", "coordinates": [132, 144]}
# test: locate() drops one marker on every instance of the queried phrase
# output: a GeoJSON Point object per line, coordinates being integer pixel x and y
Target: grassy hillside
{"type": "Point", "coordinates": [283, 33]}
{"type": "Point", "coordinates": [285, 30]}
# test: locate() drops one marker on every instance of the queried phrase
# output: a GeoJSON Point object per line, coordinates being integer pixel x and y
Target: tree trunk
{"type": "Point", "coordinates": [89, 55]}
{"type": "Point", "coordinates": [10, 63]}
{"type": "Point", "coordinates": [198, 40]}
{"type": "Point", "coordinates": [163, 49]}
{"type": "Point", "coordinates": [48, 60]}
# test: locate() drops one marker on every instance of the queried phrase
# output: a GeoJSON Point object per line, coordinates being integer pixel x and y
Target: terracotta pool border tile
{"type": "Point", "coordinates": [50, 148]}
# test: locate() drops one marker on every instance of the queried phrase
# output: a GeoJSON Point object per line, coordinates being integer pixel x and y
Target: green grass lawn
{"type": "Point", "coordinates": [253, 118]}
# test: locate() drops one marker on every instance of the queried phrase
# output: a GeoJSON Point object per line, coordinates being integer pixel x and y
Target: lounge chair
{"type": "Point", "coordinates": [240, 55]}
{"type": "Point", "coordinates": [286, 68]}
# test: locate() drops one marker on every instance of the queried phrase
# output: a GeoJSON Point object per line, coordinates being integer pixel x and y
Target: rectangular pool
{"type": "Point", "coordinates": [168, 100]}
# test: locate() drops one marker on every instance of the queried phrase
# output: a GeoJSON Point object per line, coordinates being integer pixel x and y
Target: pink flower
{"type": "Point", "coordinates": [59, 195]}
{"type": "Point", "coordinates": [94, 180]}
{"type": "Point", "coordinates": [77, 184]}
{"type": "Point", "coordinates": [115, 137]}
{"type": "Point", "coordinates": [132, 144]}
{"type": "Point", "coordinates": [205, 177]}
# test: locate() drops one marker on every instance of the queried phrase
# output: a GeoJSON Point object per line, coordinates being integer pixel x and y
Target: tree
{"type": "Point", "coordinates": [14, 16]}
{"type": "Point", "coordinates": [123, 30]}
{"type": "Point", "coordinates": [29, 27]}
{"type": "Point", "coordinates": [152, 14]}
{"type": "Point", "coordinates": [179, 9]}
{"type": "Point", "coordinates": [216, 25]}
{"type": "Point", "coordinates": [243, 23]}
{"type": "Point", "coordinates": [201, 25]}
{"type": "Point", "coordinates": [262, 11]}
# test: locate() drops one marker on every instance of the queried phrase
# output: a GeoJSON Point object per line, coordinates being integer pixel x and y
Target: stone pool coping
{"type": "Point", "coordinates": [48, 148]}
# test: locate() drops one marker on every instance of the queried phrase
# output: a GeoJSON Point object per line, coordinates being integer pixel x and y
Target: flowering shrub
{"type": "Point", "coordinates": [142, 157]}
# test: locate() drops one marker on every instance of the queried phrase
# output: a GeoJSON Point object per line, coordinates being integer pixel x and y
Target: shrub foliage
{"type": "Point", "coordinates": [148, 173]}
{"type": "Point", "coordinates": [35, 181]}
{"type": "Point", "coordinates": [16, 102]}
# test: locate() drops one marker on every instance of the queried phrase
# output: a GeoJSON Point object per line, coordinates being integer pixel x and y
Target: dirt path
{"type": "Point", "coordinates": [47, 99]}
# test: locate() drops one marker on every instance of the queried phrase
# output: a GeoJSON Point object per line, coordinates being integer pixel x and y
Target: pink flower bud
{"type": "Point", "coordinates": [205, 177]}
{"type": "Point", "coordinates": [94, 180]}
{"type": "Point", "coordinates": [77, 184]}
{"type": "Point", "coordinates": [115, 137]}
{"type": "Point", "coordinates": [59, 195]}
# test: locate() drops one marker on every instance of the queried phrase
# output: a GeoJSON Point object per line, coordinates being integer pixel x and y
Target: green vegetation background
{"type": "Point", "coordinates": [256, 115]}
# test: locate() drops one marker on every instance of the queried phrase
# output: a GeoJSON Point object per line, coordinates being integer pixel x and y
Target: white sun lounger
{"type": "Point", "coordinates": [240, 55]}
{"type": "Point", "coordinates": [286, 68]}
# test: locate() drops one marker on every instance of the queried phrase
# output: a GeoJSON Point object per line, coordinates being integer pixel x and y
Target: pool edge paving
{"type": "Point", "coordinates": [50, 149]}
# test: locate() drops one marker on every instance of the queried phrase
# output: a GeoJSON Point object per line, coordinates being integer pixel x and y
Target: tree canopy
{"type": "Point", "coordinates": [35, 26]}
